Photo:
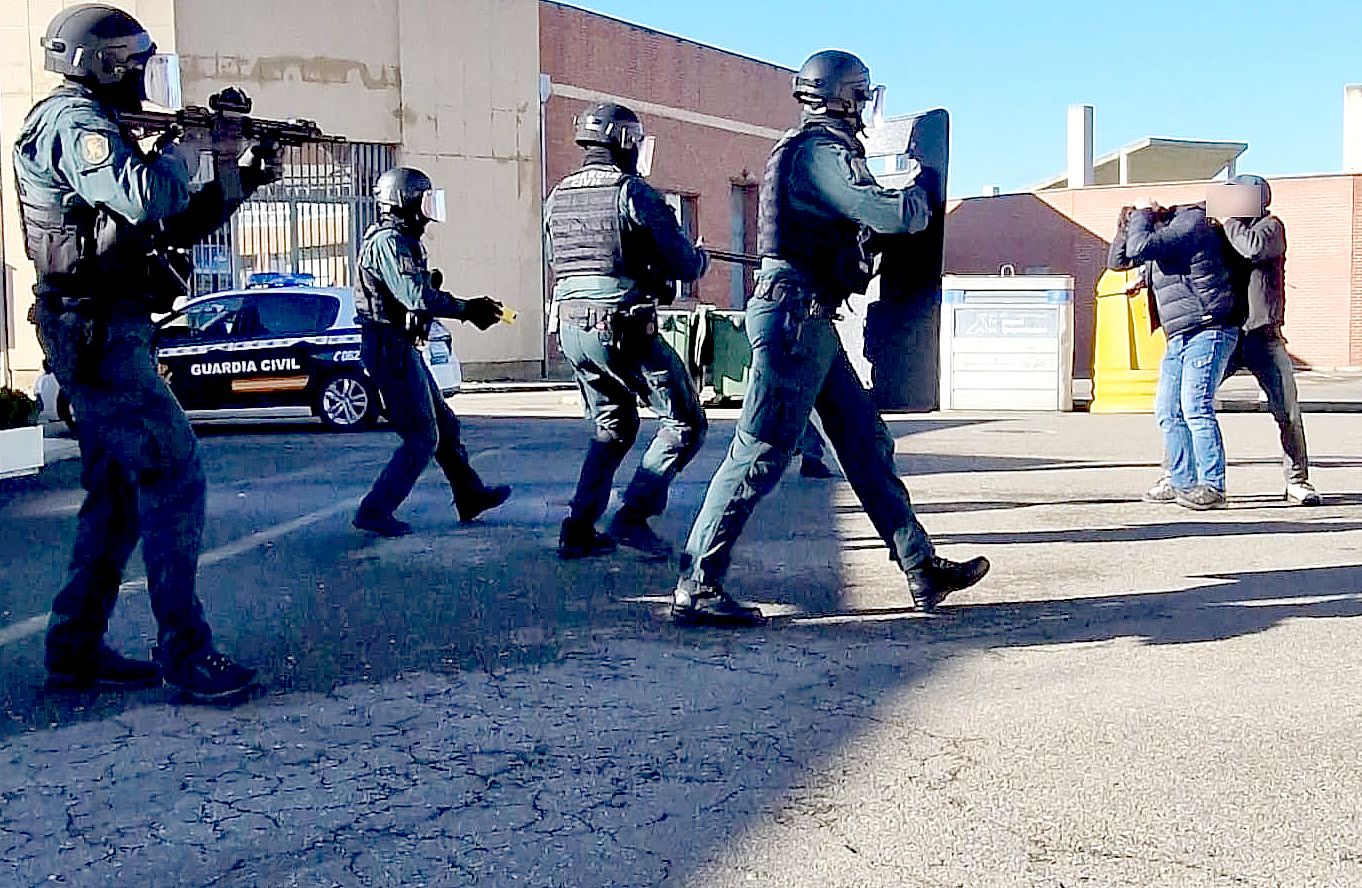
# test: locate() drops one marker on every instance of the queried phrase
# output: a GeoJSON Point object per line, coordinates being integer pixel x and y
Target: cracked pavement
{"type": "Point", "coordinates": [1137, 696]}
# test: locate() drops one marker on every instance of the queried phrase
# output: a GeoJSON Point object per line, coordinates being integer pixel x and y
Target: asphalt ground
{"type": "Point", "coordinates": [1138, 695]}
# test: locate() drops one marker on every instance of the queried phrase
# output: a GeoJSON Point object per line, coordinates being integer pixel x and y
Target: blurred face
{"type": "Point", "coordinates": [1234, 201]}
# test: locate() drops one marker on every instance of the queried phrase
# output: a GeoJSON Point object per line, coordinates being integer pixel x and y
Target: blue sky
{"type": "Point", "coordinates": [1266, 72]}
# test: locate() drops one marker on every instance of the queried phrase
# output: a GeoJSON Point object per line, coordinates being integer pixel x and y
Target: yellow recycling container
{"type": "Point", "coordinates": [1127, 351]}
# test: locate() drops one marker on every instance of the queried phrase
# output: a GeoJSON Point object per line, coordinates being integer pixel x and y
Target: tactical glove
{"type": "Point", "coordinates": [260, 165]}
{"type": "Point", "coordinates": [482, 312]}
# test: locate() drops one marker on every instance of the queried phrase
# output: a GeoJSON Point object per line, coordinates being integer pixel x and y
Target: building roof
{"type": "Point", "coordinates": [1158, 160]}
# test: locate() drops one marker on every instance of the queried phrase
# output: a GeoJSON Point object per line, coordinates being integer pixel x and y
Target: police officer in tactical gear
{"type": "Point", "coordinates": [819, 210]}
{"type": "Point", "coordinates": [617, 250]}
{"type": "Point", "coordinates": [399, 296]}
{"type": "Point", "coordinates": [98, 216]}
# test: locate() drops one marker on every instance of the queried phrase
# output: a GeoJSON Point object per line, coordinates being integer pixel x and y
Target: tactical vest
{"type": "Point", "coordinates": [79, 250]}
{"type": "Point", "coordinates": [58, 227]}
{"type": "Point", "coordinates": [830, 252]}
{"type": "Point", "coordinates": [374, 302]}
{"type": "Point", "coordinates": [584, 223]}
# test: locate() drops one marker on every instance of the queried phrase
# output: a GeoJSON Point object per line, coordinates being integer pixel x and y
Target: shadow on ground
{"type": "Point", "coordinates": [729, 723]}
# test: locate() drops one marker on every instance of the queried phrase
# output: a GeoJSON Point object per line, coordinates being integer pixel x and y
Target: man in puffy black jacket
{"type": "Point", "coordinates": [1194, 302]}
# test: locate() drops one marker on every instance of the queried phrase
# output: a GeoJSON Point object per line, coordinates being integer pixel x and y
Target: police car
{"type": "Point", "coordinates": [283, 347]}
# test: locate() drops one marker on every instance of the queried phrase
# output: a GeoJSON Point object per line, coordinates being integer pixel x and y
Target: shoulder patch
{"type": "Point", "coordinates": [94, 148]}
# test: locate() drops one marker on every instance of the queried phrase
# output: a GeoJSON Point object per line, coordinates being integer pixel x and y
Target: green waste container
{"type": "Point", "coordinates": [677, 328]}
{"type": "Point", "coordinates": [725, 351]}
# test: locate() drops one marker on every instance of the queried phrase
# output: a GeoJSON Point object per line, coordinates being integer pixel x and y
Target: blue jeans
{"type": "Point", "coordinates": [1192, 368]}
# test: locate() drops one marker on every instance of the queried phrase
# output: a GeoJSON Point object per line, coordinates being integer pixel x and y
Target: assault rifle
{"type": "Point", "coordinates": [734, 258]}
{"type": "Point", "coordinates": [227, 116]}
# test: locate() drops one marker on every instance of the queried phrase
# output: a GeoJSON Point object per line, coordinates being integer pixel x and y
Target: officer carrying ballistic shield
{"type": "Point", "coordinates": [617, 250]}
{"type": "Point", "coordinates": [398, 298]}
{"type": "Point", "coordinates": [108, 227]}
{"type": "Point", "coordinates": [819, 212]}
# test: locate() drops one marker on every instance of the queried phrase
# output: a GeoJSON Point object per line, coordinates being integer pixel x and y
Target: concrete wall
{"type": "Point", "coordinates": [715, 114]}
{"type": "Point", "coordinates": [452, 83]}
{"type": "Point", "coordinates": [1068, 232]}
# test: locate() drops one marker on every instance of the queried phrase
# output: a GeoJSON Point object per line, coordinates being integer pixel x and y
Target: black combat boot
{"type": "Point", "coordinates": [577, 540]}
{"type": "Point", "coordinates": [207, 677]}
{"type": "Point", "coordinates": [633, 531]}
{"type": "Point", "coordinates": [485, 501]}
{"type": "Point", "coordinates": [814, 468]}
{"type": "Point", "coordinates": [103, 670]}
{"type": "Point", "coordinates": [383, 525]}
{"type": "Point", "coordinates": [695, 604]}
{"type": "Point", "coordinates": [932, 580]}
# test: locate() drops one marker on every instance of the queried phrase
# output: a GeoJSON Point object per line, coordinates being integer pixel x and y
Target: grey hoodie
{"type": "Point", "coordinates": [1261, 244]}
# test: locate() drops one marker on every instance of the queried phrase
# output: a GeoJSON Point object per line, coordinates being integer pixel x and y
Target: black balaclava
{"type": "Point", "coordinates": [850, 124]}
{"type": "Point", "coordinates": [411, 221]}
{"type": "Point", "coordinates": [125, 95]}
{"type": "Point", "coordinates": [611, 155]}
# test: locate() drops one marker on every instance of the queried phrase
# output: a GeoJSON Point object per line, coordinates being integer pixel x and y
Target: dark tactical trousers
{"type": "Point", "coordinates": [421, 418]}
{"type": "Point", "coordinates": [615, 366]}
{"type": "Point", "coordinates": [811, 443]}
{"type": "Point", "coordinates": [1263, 353]}
{"type": "Point", "coordinates": [143, 480]}
{"type": "Point", "coordinates": [799, 365]}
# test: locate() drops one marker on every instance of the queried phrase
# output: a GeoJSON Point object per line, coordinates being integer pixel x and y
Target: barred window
{"type": "Point", "coordinates": [307, 224]}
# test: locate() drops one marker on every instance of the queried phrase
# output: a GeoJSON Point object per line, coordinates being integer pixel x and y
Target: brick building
{"type": "Point", "coordinates": [1067, 230]}
{"type": "Point", "coordinates": [715, 115]}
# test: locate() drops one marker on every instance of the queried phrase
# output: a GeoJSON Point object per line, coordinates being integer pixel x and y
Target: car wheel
{"type": "Point", "coordinates": [347, 402]}
{"type": "Point", "coordinates": [64, 412]}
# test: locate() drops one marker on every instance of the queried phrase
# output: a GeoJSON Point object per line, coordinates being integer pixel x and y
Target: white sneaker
{"type": "Point", "coordinates": [1163, 491]}
{"type": "Point", "coordinates": [1302, 493]}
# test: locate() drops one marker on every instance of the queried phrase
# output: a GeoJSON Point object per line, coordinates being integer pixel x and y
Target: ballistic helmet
{"type": "Point", "coordinates": [409, 193]}
{"type": "Point", "coordinates": [614, 126]}
{"type": "Point", "coordinates": [835, 80]}
{"type": "Point", "coordinates": [96, 44]}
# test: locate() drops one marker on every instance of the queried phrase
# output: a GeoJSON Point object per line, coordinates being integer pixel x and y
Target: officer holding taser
{"type": "Point", "coordinates": [820, 210]}
{"type": "Point", "coordinates": [617, 250]}
{"type": "Point", "coordinates": [397, 300]}
{"type": "Point", "coordinates": [108, 227]}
